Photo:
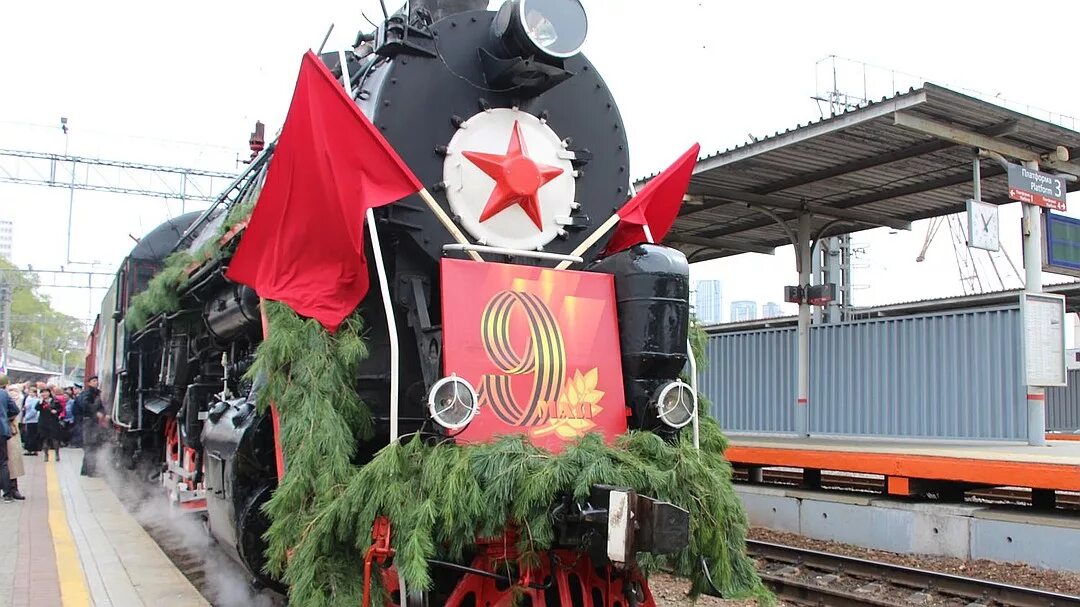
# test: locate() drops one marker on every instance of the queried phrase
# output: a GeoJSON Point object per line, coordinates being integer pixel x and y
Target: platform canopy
{"type": "Point", "coordinates": [887, 163]}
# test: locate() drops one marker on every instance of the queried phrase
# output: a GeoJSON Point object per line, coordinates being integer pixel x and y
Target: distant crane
{"type": "Point", "coordinates": [968, 260]}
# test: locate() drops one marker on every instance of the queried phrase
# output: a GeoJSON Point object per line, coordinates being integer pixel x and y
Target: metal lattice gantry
{"type": "Point", "coordinates": [102, 175]}
{"type": "Point", "coordinates": [63, 278]}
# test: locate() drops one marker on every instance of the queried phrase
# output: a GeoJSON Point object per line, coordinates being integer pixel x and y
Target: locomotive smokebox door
{"type": "Point", "coordinates": [534, 164]}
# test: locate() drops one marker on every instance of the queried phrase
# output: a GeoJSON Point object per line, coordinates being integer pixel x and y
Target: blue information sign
{"type": "Point", "coordinates": [1061, 248]}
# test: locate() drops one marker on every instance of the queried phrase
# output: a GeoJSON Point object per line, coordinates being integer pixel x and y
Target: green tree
{"type": "Point", "coordinates": [35, 326]}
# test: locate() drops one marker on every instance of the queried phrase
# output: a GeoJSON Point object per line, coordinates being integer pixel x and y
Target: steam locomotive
{"type": "Point", "coordinates": [522, 144]}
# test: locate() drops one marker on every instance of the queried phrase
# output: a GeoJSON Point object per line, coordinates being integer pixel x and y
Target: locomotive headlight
{"type": "Point", "coordinates": [555, 28]}
{"type": "Point", "coordinates": [452, 402]}
{"type": "Point", "coordinates": [676, 404]}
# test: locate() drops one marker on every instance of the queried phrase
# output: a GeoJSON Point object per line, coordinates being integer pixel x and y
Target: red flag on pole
{"type": "Point", "coordinates": [655, 206]}
{"type": "Point", "coordinates": [304, 245]}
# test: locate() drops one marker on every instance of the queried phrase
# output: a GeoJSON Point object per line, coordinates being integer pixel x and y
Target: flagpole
{"type": "Point", "coordinates": [447, 222]}
{"type": "Point", "coordinates": [591, 240]}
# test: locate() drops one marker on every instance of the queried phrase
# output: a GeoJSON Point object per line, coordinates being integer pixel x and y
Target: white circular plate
{"type": "Point", "coordinates": [469, 188]}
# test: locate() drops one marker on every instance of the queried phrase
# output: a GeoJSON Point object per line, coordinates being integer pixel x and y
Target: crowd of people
{"type": "Point", "coordinates": [40, 418]}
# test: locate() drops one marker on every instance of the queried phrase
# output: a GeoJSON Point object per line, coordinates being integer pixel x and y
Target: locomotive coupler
{"type": "Point", "coordinates": [615, 523]}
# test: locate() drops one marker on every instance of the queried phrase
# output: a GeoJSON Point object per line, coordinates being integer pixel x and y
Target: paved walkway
{"type": "Point", "coordinates": [71, 543]}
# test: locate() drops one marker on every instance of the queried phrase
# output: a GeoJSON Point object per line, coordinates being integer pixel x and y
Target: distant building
{"type": "Point", "coordinates": [708, 301]}
{"type": "Point", "coordinates": [6, 228]}
{"type": "Point", "coordinates": [742, 311]}
{"type": "Point", "coordinates": [771, 310]}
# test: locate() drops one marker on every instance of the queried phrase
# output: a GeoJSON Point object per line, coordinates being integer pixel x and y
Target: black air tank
{"type": "Point", "coordinates": [652, 292]}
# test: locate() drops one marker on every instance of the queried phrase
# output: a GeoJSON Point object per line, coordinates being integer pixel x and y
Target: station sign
{"type": "Point", "coordinates": [1035, 187]}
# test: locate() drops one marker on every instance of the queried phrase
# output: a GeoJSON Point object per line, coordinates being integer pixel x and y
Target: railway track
{"type": "Point", "coordinates": [809, 577]}
{"type": "Point", "coordinates": [846, 482]}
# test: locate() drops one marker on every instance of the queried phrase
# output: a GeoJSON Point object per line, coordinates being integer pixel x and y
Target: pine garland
{"type": "Point", "coordinates": [162, 294]}
{"type": "Point", "coordinates": [698, 340]}
{"type": "Point", "coordinates": [311, 379]}
{"type": "Point", "coordinates": [439, 497]}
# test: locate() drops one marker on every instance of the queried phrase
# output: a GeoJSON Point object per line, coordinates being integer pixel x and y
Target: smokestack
{"type": "Point", "coordinates": [445, 8]}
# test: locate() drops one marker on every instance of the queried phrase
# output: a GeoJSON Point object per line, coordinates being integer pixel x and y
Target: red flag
{"type": "Point", "coordinates": [656, 205]}
{"type": "Point", "coordinates": [304, 245]}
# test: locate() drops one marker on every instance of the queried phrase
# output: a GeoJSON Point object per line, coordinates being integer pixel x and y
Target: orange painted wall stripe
{"type": "Point", "coordinates": [989, 472]}
{"type": "Point", "coordinates": [1063, 437]}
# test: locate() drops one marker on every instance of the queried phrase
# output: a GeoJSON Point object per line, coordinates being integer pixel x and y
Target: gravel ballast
{"type": "Point", "coordinates": [1063, 582]}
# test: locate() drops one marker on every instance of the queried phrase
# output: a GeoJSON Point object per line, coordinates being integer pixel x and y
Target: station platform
{"type": "Point", "coordinates": [907, 465]}
{"type": "Point", "coordinates": [72, 543]}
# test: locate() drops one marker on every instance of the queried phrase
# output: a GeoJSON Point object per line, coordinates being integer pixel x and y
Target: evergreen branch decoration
{"type": "Point", "coordinates": [699, 340]}
{"type": "Point", "coordinates": [311, 379]}
{"type": "Point", "coordinates": [162, 294]}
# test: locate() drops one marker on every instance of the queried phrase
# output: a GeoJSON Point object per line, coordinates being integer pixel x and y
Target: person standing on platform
{"type": "Point", "coordinates": [79, 410]}
{"type": "Point", "coordinates": [15, 462]}
{"type": "Point", "coordinates": [30, 415]}
{"type": "Point", "coordinates": [10, 413]}
{"type": "Point", "coordinates": [15, 456]}
{"type": "Point", "coordinates": [65, 415]}
{"type": "Point", "coordinates": [93, 422]}
{"type": "Point", "coordinates": [49, 426]}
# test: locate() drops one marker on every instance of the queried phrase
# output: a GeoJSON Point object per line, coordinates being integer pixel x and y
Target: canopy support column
{"type": "Point", "coordinates": [802, 261]}
{"type": "Point", "coordinates": [1036, 395]}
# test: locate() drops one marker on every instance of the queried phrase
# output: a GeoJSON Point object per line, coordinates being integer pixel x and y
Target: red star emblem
{"type": "Point", "coordinates": [518, 179]}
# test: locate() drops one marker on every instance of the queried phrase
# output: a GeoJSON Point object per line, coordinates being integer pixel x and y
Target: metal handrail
{"type": "Point", "coordinates": [479, 248]}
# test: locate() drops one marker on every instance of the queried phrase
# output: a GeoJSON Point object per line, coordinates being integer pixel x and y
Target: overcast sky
{"type": "Point", "coordinates": [182, 84]}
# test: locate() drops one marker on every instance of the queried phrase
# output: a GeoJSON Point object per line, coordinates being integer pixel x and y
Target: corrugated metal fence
{"type": "Point", "coordinates": [1063, 405]}
{"type": "Point", "coordinates": [953, 374]}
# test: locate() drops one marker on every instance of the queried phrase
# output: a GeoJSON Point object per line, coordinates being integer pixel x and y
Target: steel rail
{"type": "Point", "coordinates": [898, 575]}
{"type": "Point", "coordinates": [806, 593]}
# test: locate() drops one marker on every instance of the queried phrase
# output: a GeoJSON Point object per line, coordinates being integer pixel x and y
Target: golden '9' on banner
{"type": "Point", "coordinates": [542, 347]}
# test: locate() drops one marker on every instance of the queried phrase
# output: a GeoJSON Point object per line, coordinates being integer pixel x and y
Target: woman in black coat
{"type": "Point", "coordinates": [50, 429]}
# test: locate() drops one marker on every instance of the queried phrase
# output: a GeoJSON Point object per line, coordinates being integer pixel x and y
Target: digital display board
{"type": "Point", "coordinates": [1061, 245]}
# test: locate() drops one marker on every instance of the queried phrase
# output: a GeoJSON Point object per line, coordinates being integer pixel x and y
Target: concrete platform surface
{"type": "Point", "coordinates": [73, 544]}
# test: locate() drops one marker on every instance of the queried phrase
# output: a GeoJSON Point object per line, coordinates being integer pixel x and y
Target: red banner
{"type": "Point", "coordinates": [540, 346]}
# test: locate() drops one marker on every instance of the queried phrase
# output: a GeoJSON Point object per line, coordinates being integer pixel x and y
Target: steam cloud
{"type": "Point", "coordinates": [225, 582]}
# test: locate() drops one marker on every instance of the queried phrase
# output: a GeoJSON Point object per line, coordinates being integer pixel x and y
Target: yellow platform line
{"type": "Point", "coordinates": [69, 571]}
